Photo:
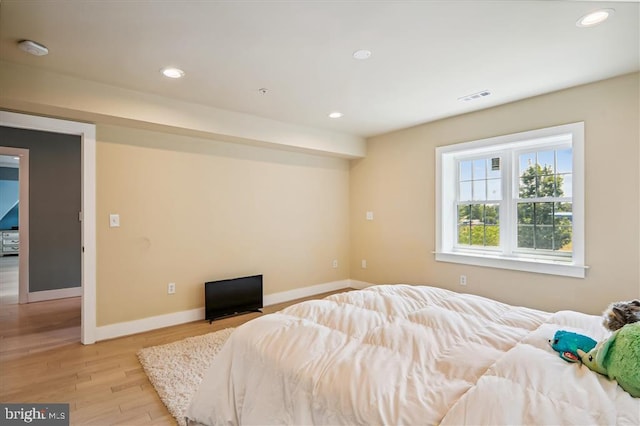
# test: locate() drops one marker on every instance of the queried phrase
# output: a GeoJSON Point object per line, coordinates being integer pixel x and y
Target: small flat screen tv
{"type": "Point", "coordinates": [232, 297]}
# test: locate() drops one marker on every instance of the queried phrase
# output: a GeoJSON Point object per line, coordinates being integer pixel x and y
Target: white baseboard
{"type": "Point", "coordinates": [146, 324]}
{"type": "Point", "coordinates": [359, 285]}
{"type": "Point", "coordinates": [298, 293]}
{"type": "Point", "coordinates": [160, 321]}
{"type": "Point", "coordinates": [63, 293]}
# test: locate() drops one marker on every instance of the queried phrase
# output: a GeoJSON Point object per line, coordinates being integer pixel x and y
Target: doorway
{"type": "Point", "coordinates": [14, 186]}
{"type": "Point", "coordinates": [86, 132]}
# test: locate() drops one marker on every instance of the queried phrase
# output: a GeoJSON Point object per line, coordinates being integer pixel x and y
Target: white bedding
{"type": "Point", "coordinates": [399, 354]}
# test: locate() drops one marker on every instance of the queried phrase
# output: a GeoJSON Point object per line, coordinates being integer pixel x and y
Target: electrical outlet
{"type": "Point", "coordinates": [364, 264]}
{"type": "Point", "coordinates": [369, 215]}
{"type": "Point", "coordinates": [335, 263]}
{"type": "Point", "coordinates": [463, 280]}
{"type": "Point", "coordinates": [171, 288]}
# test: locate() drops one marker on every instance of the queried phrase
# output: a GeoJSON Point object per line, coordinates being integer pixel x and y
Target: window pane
{"type": "Point", "coordinates": [565, 185]}
{"type": "Point", "coordinates": [562, 239]}
{"type": "Point", "coordinates": [465, 191]}
{"type": "Point", "coordinates": [492, 225]}
{"type": "Point", "coordinates": [546, 186]}
{"type": "Point", "coordinates": [563, 233]}
{"type": "Point", "coordinates": [464, 221]}
{"type": "Point", "coordinates": [491, 214]}
{"type": "Point", "coordinates": [525, 213]}
{"type": "Point", "coordinates": [528, 186]}
{"type": "Point", "coordinates": [564, 159]}
{"type": "Point", "coordinates": [563, 214]}
{"type": "Point", "coordinates": [539, 176]}
{"type": "Point", "coordinates": [526, 161]}
{"type": "Point", "coordinates": [479, 225]}
{"type": "Point", "coordinates": [546, 226]}
{"type": "Point", "coordinates": [544, 237]}
{"type": "Point", "coordinates": [476, 235]}
{"type": "Point", "coordinates": [464, 234]}
{"type": "Point", "coordinates": [492, 235]}
{"type": "Point", "coordinates": [525, 236]}
{"type": "Point", "coordinates": [465, 170]}
{"type": "Point", "coordinates": [479, 169]}
{"type": "Point", "coordinates": [546, 163]}
{"type": "Point", "coordinates": [543, 213]}
{"type": "Point", "coordinates": [494, 189]}
{"type": "Point", "coordinates": [479, 190]}
{"type": "Point", "coordinates": [464, 214]}
{"type": "Point", "coordinates": [477, 213]}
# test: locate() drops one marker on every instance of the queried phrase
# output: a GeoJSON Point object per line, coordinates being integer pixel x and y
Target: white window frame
{"type": "Point", "coordinates": [506, 256]}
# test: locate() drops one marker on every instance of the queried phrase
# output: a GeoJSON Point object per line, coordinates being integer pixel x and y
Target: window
{"type": "Point", "coordinates": [514, 201]}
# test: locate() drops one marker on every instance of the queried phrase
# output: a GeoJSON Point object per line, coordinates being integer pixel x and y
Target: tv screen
{"type": "Point", "coordinates": [232, 296]}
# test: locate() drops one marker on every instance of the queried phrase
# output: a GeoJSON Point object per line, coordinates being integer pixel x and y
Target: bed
{"type": "Point", "coordinates": [401, 354]}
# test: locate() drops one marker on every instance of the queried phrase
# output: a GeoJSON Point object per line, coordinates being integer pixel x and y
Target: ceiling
{"type": "Point", "coordinates": [425, 54]}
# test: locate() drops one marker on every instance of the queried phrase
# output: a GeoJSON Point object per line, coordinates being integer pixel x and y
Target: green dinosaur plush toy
{"type": "Point", "coordinates": [618, 357]}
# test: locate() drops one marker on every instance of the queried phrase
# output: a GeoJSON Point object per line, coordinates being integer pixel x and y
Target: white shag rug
{"type": "Point", "coordinates": [175, 370]}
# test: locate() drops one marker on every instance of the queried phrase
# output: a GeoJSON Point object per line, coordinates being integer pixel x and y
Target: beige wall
{"type": "Point", "coordinates": [396, 181]}
{"type": "Point", "coordinates": [197, 209]}
{"type": "Point", "coordinates": [194, 210]}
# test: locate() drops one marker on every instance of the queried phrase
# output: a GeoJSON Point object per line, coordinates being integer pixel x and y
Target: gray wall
{"type": "Point", "coordinates": [54, 203]}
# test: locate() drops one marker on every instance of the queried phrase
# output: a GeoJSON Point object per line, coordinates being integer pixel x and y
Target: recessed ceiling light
{"type": "Point", "coordinates": [594, 18]}
{"type": "Point", "coordinates": [32, 47]}
{"type": "Point", "coordinates": [336, 114]}
{"type": "Point", "coordinates": [172, 72]}
{"type": "Point", "coordinates": [362, 54]}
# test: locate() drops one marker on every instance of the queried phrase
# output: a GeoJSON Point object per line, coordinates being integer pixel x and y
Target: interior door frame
{"type": "Point", "coordinates": [87, 133]}
{"type": "Point", "coordinates": [23, 218]}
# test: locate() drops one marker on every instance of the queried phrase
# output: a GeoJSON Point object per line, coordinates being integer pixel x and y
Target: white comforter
{"type": "Point", "coordinates": [413, 355]}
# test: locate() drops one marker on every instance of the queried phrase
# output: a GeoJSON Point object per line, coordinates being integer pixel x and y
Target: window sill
{"type": "Point", "coordinates": [518, 264]}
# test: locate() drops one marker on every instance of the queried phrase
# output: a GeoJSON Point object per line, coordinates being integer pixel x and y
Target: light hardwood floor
{"type": "Point", "coordinates": [8, 280]}
{"type": "Point", "coordinates": [42, 361]}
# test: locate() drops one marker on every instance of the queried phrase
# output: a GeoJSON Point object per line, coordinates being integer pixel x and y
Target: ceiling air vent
{"type": "Point", "coordinates": [475, 96]}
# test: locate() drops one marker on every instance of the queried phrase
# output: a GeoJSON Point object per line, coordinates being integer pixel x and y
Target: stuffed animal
{"type": "Point", "coordinates": [620, 313]}
{"type": "Point", "coordinates": [567, 343]}
{"type": "Point", "coordinates": [618, 357]}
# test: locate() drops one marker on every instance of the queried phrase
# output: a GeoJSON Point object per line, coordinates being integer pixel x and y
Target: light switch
{"type": "Point", "coordinates": [114, 220]}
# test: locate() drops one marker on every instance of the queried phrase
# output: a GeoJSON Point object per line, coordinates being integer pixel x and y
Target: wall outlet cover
{"type": "Point", "coordinates": [114, 220]}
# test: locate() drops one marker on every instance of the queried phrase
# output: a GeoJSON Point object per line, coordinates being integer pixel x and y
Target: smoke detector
{"type": "Point", "coordinates": [33, 48]}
